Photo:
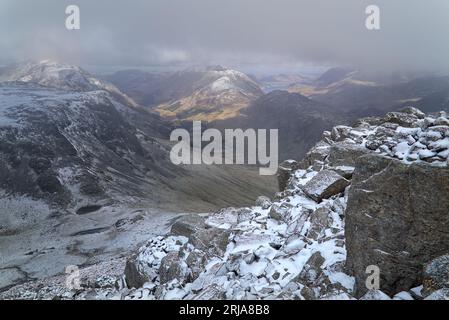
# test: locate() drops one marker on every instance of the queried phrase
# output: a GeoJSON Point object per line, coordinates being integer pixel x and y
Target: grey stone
{"type": "Point", "coordinates": [284, 172]}
{"type": "Point", "coordinates": [345, 154]}
{"type": "Point", "coordinates": [135, 278]}
{"type": "Point", "coordinates": [280, 212]}
{"type": "Point", "coordinates": [397, 219]}
{"type": "Point", "coordinates": [324, 185]}
{"type": "Point", "coordinates": [441, 121]}
{"type": "Point", "coordinates": [172, 268]}
{"type": "Point", "coordinates": [403, 119]}
{"type": "Point", "coordinates": [212, 292]}
{"type": "Point", "coordinates": [213, 241]}
{"type": "Point", "coordinates": [188, 224]}
{"type": "Point", "coordinates": [375, 295]}
{"type": "Point", "coordinates": [414, 112]}
{"type": "Point", "coordinates": [345, 171]}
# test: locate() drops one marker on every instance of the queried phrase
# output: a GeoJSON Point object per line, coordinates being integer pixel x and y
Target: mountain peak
{"type": "Point", "coordinates": [214, 93]}
{"type": "Point", "coordinates": [52, 74]}
{"type": "Point", "coordinates": [56, 75]}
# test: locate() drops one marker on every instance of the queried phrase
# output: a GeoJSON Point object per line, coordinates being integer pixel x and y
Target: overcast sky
{"type": "Point", "coordinates": [414, 33]}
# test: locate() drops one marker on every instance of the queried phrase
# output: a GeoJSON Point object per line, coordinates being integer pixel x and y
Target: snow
{"type": "Point", "coordinates": [401, 150]}
{"type": "Point", "coordinates": [375, 295]}
{"type": "Point", "coordinates": [222, 84]}
{"type": "Point", "coordinates": [403, 296]}
{"type": "Point", "coordinates": [273, 270]}
{"type": "Point", "coordinates": [426, 153]}
{"type": "Point", "coordinates": [417, 291]}
{"type": "Point", "coordinates": [440, 144]}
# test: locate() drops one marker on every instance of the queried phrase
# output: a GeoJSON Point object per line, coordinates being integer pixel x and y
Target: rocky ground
{"type": "Point", "coordinates": [371, 194]}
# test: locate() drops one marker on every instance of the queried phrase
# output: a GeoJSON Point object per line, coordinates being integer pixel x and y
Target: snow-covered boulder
{"type": "Point", "coordinates": [324, 185]}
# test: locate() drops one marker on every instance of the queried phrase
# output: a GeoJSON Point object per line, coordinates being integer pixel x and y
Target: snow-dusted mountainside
{"type": "Point", "coordinates": [67, 147]}
{"type": "Point", "coordinates": [217, 94]}
{"type": "Point", "coordinates": [64, 132]}
{"type": "Point", "coordinates": [309, 242]}
{"type": "Point", "coordinates": [67, 136]}
{"type": "Point", "coordinates": [83, 174]}
{"type": "Point", "coordinates": [62, 76]}
{"type": "Point", "coordinates": [360, 94]}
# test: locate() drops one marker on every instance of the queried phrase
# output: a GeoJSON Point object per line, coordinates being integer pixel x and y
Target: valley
{"type": "Point", "coordinates": [85, 169]}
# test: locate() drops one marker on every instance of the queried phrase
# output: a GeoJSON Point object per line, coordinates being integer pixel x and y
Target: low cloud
{"type": "Point", "coordinates": [413, 34]}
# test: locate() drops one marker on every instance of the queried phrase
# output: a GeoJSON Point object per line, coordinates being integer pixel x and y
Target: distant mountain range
{"type": "Point", "coordinates": [206, 94]}
{"type": "Point", "coordinates": [359, 94]}
{"type": "Point", "coordinates": [72, 140]}
{"type": "Point", "coordinates": [226, 98]}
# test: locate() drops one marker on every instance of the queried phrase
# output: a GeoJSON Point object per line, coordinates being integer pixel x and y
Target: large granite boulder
{"type": "Point", "coordinates": [397, 219]}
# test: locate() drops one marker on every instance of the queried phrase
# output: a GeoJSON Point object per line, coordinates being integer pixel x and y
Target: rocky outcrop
{"type": "Point", "coordinates": [396, 219]}
{"type": "Point", "coordinates": [291, 248]}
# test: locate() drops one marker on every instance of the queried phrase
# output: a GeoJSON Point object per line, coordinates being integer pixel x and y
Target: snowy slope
{"type": "Point", "coordinates": [57, 75]}
{"type": "Point", "coordinates": [216, 94]}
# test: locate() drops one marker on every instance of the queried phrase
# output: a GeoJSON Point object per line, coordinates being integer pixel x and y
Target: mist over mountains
{"type": "Point", "coordinates": [301, 110]}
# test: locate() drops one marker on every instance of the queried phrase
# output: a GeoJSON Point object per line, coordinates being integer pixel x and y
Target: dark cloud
{"type": "Point", "coordinates": [413, 35]}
